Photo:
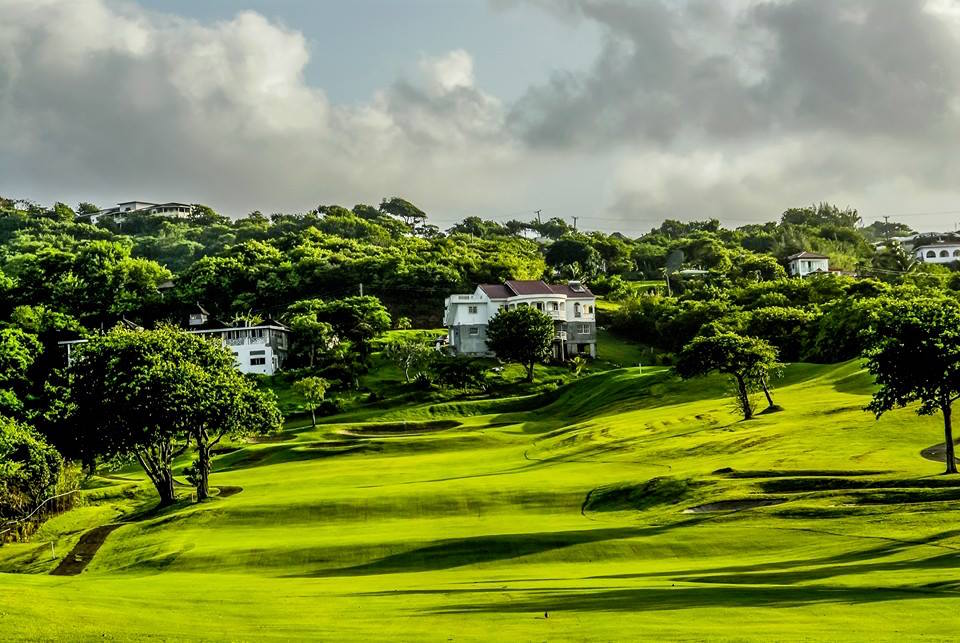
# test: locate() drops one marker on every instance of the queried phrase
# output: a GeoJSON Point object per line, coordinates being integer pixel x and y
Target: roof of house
{"type": "Point", "coordinates": [807, 255]}
{"type": "Point", "coordinates": [495, 291]}
{"type": "Point", "coordinates": [571, 292]}
{"type": "Point", "coordinates": [528, 287]}
{"type": "Point", "coordinates": [934, 244]}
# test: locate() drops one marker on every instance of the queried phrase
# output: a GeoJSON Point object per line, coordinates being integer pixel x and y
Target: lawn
{"type": "Point", "coordinates": [604, 510]}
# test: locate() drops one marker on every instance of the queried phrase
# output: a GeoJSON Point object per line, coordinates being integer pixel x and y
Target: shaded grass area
{"type": "Point", "coordinates": [556, 515]}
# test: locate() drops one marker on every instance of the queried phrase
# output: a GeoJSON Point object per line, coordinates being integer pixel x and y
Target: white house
{"type": "Point", "coordinates": [807, 263]}
{"type": "Point", "coordinates": [938, 251]}
{"type": "Point", "coordinates": [257, 348]}
{"type": "Point", "coordinates": [572, 307]}
{"type": "Point", "coordinates": [176, 210]}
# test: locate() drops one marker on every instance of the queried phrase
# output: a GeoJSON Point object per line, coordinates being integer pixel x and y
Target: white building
{"type": "Point", "coordinates": [572, 307]}
{"type": "Point", "coordinates": [938, 251]}
{"type": "Point", "coordinates": [807, 263]}
{"type": "Point", "coordinates": [257, 348]}
{"type": "Point", "coordinates": [176, 210]}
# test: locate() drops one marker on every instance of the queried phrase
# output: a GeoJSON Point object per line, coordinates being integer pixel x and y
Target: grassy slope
{"type": "Point", "coordinates": [573, 506]}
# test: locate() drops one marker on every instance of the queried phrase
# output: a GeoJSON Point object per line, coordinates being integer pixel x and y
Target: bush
{"type": "Point", "coordinates": [29, 469]}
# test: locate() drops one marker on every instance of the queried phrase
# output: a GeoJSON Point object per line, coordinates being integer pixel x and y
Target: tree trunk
{"type": "Point", "coordinates": [948, 438]}
{"type": "Point", "coordinates": [313, 415]}
{"type": "Point", "coordinates": [203, 466]}
{"type": "Point", "coordinates": [744, 398]}
{"type": "Point", "coordinates": [766, 391]}
{"type": "Point", "coordinates": [530, 372]}
{"type": "Point", "coordinates": [160, 475]}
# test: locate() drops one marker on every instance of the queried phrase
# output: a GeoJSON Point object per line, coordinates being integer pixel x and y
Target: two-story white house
{"type": "Point", "coordinates": [572, 307]}
{"type": "Point", "coordinates": [807, 263]}
{"type": "Point", "coordinates": [175, 210]}
{"type": "Point", "coordinates": [257, 348]}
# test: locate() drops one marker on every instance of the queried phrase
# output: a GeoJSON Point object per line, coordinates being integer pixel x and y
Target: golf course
{"type": "Point", "coordinates": [627, 504]}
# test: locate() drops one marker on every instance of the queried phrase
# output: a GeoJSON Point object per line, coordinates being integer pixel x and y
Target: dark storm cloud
{"type": "Point", "coordinates": [674, 71]}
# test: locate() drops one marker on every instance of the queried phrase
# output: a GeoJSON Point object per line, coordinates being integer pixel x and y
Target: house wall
{"type": "Point", "coordinates": [466, 344]}
{"type": "Point", "coordinates": [803, 267]}
{"type": "Point", "coordinates": [947, 253]}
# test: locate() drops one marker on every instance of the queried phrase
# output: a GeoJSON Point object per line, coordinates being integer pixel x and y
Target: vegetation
{"type": "Point", "coordinates": [520, 495]}
{"type": "Point", "coordinates": [524, 335]}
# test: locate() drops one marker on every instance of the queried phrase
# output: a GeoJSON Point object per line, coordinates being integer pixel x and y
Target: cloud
{"type": "Point", "coordinates": [690, 109]}
{"type": "Point", "coordinates": [109, 99]}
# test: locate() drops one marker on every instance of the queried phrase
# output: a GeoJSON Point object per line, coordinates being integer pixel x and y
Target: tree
{"type": "Point", "coordinates": [29, 468]}
{"type": "Point", "coordinates": [410, 354]}
{"type": "Point", "coordinates": [412, 215]}
{"type": "Point", "coordinates": [359, 320]}
{"type": "Point", "coordinates": [747, 360]}
{"type": "Point", "coordinates": [150, 393]}
{"type": "Point", "coordinates": [524, 335]}
{"type": "Point", "coordinates": [913, 351]}
{"type": "Point", "coordinates": [310, 335]}
{"type": "Point", "coordinates": [313, 390]}
{"type": "Point", "coordinates": [87, 208]}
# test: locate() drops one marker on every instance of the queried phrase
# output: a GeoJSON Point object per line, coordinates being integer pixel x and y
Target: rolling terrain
{"type": "Point", "coordinates": [625, 505]}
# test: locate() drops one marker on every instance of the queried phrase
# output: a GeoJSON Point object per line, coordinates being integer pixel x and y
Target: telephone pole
{"type": "Point", "coordinates": [539, 222]}
{"type": "Point", "coordinates": [575, 223]}
{"type": "Point", "coordinates": [886, 225]}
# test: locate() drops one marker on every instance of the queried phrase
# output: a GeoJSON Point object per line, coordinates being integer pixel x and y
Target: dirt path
{"type": "Point", "coordinates": [84, 551]}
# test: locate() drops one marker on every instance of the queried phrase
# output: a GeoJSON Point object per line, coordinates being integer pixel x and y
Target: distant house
{"type": "Point", "coordinates": [807, 263]}
{"type": "Point", "coordinates": [938, 251]}
{"type": "Point", "coordinates": [258, 348]}
{"type": "Point", "coordinates": [572, 307]}
{"type": "Point", "coordinates": [176, 210]}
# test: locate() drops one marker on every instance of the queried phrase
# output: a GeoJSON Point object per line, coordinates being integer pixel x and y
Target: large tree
{"type": "Point", "coordinates": [523, 335]}
{"type": "Point", "coordinates": [747, 360]}
{"type": "Point", "coordinates": [150, 394]}
{"type": "Point", "coordinates": [913, 351]}
{"type": "Point", "coordinates": [313, 390]}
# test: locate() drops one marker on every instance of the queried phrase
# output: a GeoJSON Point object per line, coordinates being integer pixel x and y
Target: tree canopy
{"type": "Point", "coordinates": [524, 335]}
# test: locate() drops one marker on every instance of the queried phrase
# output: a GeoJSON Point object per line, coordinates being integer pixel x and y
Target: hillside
{"type": "Point", "coordinates": [604, 510]}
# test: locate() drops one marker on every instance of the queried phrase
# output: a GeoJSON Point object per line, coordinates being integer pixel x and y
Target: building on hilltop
{"type": "Point", "coordinates": [571, 306]}
{"type": "Point", "coordinates": [258, 347]}
{"type": "Point", "coordinates": [807, 263]}
{"type": "Point", "coordinates": [175, 210]}
{"type": "Point", "coordinates": [938, 251]}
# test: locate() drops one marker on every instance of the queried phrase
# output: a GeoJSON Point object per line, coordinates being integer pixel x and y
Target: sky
{"type": "Point", "coordinates": [618, 112]}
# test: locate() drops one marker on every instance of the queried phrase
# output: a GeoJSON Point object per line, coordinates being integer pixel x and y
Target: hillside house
{"type": "Point", "coordinates": [807, 263]}
{"type": "Point", "coordinates": [939, 251]}
{"type": "Point", "coordinates": [259, 348]}
{"type": "Point", "coordinates": [572, 307]}
{"type": "Point", "coordinates": [175, 210]}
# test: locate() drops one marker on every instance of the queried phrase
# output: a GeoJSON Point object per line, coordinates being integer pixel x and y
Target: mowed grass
{"type": "Point", "coordinates": [576, 514]}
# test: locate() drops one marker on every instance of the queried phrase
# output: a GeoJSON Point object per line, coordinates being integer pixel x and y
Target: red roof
{"type": "Point", "coordinates": [528, 287]}
{"type": "Point", "coordinates": [570, 292]}
{"type": "Point", "coordinates": [495, 291]}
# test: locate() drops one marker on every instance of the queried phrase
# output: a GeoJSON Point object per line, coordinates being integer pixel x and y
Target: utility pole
{"type": "Point", "coordinates": [539, 222]}
{"type": "Point", "coordinates": [575, 223]}
{"type": "Point", "coordinates": [361, 289]}
{"type": "Point", "coordinates": [886, 225]}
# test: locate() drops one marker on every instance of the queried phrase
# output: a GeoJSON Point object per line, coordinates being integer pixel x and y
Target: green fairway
{"type": "Point", "coordinates": [603, 510]}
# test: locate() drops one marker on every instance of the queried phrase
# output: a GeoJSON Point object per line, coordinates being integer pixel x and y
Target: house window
{"type": "Point", "coordinates": [956, 253]}
{"type": "Point", "coordinates": [258, 352]}
{"type": "Point", "coordinates": [589, 310]}
{"type": "Point", "coordinates": [556, 306]}
{"type": "Point", "coordinates": [258, 361]}
{"type": "Point", "coordinates": [539, 305]}
{"type": "Point", "coordinates": [576, 310]}
{"type": "Point", "coordinates": [474, 331]}
{"type": "Point", "coordinates": [256, 332]}
{"type": "Point", "coordinates": [931, 253]}
{"type": "Point", "coordinates": [472, 310]}
{"type": "Point", "coordinates": [583, 329]}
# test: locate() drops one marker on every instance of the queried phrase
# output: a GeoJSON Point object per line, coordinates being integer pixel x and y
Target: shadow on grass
{"type": "Point", "coordinates": [678, 598]}
{"type": "Point", "coordinates": [458, 552]}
